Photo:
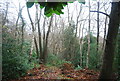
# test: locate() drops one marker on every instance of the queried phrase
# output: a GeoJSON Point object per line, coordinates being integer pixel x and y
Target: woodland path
{"type": "Point", "coordinates": [66, 73]}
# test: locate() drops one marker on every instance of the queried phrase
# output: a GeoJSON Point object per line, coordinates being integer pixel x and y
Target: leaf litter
{"type": "Point", "coordinates": [65, 72]}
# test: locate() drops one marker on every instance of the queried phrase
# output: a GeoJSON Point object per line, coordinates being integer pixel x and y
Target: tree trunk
{"type": "Point", "coordinates": [45, 53]}
{"type": "Point", "coordinates": [97, 29]}
{"type": "Point", "coordinates": [77, 21]}
{"type": "Point", "coordinates": [33, 31]}
{"type": "Point", "coordinates": [31, 49]}
{"type": "Point", "coordinates": [39, 32]}
{"type": "Point", "coordinates": [88, 51]}
{"type": "Point", "coordinates": [22, 29]}
{"type": "Point", "coordinates": [42, 54]}
{"type": "Point", "coordinates": [106, 71]}
{"type": "Point", "coordinates": [81, 46]}
{"type": "Point", "coordinates": [103, 47]}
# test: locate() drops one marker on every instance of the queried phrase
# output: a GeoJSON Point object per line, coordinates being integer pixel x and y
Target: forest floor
{"type": "Point", "coordinates": [66, 72]}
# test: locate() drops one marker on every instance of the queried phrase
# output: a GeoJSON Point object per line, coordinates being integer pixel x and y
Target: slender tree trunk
{"type": "Point", "coordinates": [36, 46]}
{"type": "Point", "coordinates": [45, 53]}
{"type": "Point", "coordinates": [53, 36]}
{"type": "Point", "coordinates": [78, 19]}
{"type": "Point", "coordinates": [31, 49]}
{"type": "Point", "coordinates": [68, 14]}
{"type": "Point", "coordinates": [16, 29]}
{"type": "Point", "coordinates": [22, 29]}
{"type": "Point", "coordinates": [39, 31]}
{"type": "Point", "coordinates": [81, 45]}
{"type": "Point", "coordinates": [23, 24]}
{"type": "Point", "coordinates": [88, 51]}
{"type": "Point", "coordinates": [104, 39]}
{"type": "Point", "coordinates": [33, 31]}
{"type": "Point", "coordinates": [97, 51]}
{"type": "Point", "coordinates": [42, 54]}
{"type": "Point", "coordinates": [106, 71]}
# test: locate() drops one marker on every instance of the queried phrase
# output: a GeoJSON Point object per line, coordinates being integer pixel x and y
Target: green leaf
{"type": "Point", "coordinates": [64, 4]}
{"type": "Point", "coordinates": [60, 11]}
{"type": "Point", "coordinates": [42, 4]}
{"type": "Point", "coordinates": [48, 11]}
{"type": "Point", "coordinates": [60, 7]}
{"type": "Point", "coordinates": [56, 12]}
{"type": "Point", "coordinates": [49, 14]}
{"type": "Point", "coordinates": [29, 4]}
{"type": "Point", "coordinates": [41, 7]}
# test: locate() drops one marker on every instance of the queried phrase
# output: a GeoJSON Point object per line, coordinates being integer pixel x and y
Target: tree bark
{"type": "Point", "coordinates": [39, 31]}
{"type": "Point", "coordinates": [81, 46]}
{"type": "Point", "coordinates": [45, 53]}
{"type": "Point", "coordinates": [78, 19]}
{"type": "Point", "coordinates": [97, 29]}
{"type": "Point", "coordinates": [33, 31]}
{"type": "Point", "coordinates": [103, 47]}
{"type": "Point", "coordinates": [43, 46]}
{"type": "Point", "coordinates": [88, 50]}
{"type": "Point", "coordinates": [106, 71]}
{"type": "Point", "coordinates": [22, 29]}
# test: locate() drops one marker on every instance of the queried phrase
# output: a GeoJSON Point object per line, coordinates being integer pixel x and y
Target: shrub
{"type": "Point", "coordinates": [15, 62]}
{"type": "Point", "coordinates": [55, 61]}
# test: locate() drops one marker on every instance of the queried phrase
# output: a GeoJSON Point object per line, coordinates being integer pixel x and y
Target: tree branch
{"type": "Point", "coordinates": [102, 13]}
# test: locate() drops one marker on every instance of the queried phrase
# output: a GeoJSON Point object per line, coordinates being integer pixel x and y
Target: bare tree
{"type": "Point", "coordinates": [105, 29]}
{"type": "Point", "coordinates": [98, 28]}
{"type": "Point", "coordinates": [39, 31]}
{"type": "Point", "coordinates": [22, 27]}
{"type": "Point", "coordinates": [43, 44]}
{"type": "Point", "coordinates": [33, 31]}
{"type": "Point", "coordinates": [78, 19]}
{"type": "Point", "coordinates": [88, 50]}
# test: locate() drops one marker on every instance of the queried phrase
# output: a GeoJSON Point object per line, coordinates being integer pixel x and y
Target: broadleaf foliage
{"type": "Point", "coordinates": [51, 7]}
{"type": "Point", "coordinates": [29, 4]}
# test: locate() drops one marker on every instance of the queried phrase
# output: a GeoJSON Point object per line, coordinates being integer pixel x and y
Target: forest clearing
{"type": "Point", "coordinates": [45, 40]}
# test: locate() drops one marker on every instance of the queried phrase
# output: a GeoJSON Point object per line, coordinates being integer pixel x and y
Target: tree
{"type": "Point", "coordinates": [88, 50]}
{"type": "Point", "coordinates": [93, 57]}
{"type": "Point", "coordinates": [71, 45]}
{"type": "Point", "coordinates": [98, 28]}
{"type": "Point", "coordinates": [33, 31]}
{"type": "Point", "coordinates": [45, 49]}
{"type": "Point", "coordinates": [106, 71]}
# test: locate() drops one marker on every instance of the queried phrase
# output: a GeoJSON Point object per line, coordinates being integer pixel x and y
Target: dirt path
{"type": "Point", "coordinates": [45, 73]}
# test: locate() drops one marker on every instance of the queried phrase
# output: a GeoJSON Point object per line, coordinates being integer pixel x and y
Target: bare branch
{"type": "Point", "coordinates": [102, 13]}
